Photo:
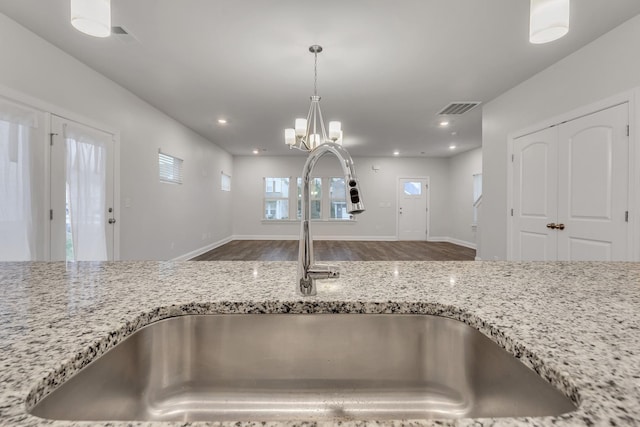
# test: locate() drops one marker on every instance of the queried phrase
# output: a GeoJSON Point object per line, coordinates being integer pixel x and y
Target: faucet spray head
{"type": "Point", "coordinates": [354, 203]}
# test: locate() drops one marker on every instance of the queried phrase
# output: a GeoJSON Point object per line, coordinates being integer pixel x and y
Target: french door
{"type": "Point", "coordinates": [82, 191]}
{"type": "Point", "coordinates": [571, 185]}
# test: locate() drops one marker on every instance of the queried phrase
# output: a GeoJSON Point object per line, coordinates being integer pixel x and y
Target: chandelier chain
{"type": "Point", "coordinates": [315, 74]}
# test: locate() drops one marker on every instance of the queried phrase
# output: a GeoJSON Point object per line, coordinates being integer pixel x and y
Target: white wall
{"type": "Point", "coordinates": [605, 67]}
{"type": "Point", "coordinates": [378, 190]}
{"type": "Point", "coordinates": [461, 170]}
{"type": "Point", "coordinates": [163, 221]}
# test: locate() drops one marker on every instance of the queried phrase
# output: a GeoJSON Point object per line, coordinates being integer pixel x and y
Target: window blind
{"type": "Point", "coordinates": [170, 168]}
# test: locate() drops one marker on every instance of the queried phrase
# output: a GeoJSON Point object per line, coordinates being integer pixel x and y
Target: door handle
{"type": "Point", "coordinates": [555, 226]}
{"type": "Point", "coordinates": [112, 220]}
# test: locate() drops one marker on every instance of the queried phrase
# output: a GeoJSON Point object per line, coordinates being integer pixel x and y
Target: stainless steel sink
{"type": "Point", "coordinates": [303, 367]}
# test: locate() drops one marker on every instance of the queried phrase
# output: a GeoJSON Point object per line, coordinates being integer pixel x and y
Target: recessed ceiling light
{"type": "Point", "coordinates": [444, 123]}
{"type": "Point", "coordinates": [256, 151]}
{"type": "Point", "coordinates": [452, 147]}
{"type": "Point", "coordinates": [222, 121]}
{"type": "Point", "coordinates": [396, 153]}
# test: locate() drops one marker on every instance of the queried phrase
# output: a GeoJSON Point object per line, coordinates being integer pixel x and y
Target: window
{"type": "Point", "coordinates": [328, 199]}
{"type": "Point", "coordinates": [225, 182]}
{"type": "Point", "coordinates": [170, 168]}
{"type": "Point", "coordinates": [276, 198]}
{"type": "Point", "coordinates": [315, 191]}
{"type": "Point", "coordinates": [338, 199]}
{"type": "Point", "coordinates": [413, 188]}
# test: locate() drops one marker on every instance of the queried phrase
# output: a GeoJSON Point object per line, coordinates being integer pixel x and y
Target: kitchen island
{"type": "Point", "coordinates": [576, 324]}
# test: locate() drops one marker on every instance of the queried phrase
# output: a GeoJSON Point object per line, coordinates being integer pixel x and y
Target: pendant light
{"type": "Point", "coordinates": [309, 133]}
{"type": "Point", "coordinates": [549, 20]}
{"type": "Point", "coordinates": [92, 17]}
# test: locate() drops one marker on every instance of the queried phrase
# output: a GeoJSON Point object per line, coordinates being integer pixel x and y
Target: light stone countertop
{"type": "Point", "coordinates": [577, 324]}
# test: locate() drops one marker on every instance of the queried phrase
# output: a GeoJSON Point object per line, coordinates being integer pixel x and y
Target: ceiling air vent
{"type": "Point", "coordinates": [122, 34]}
{"type": "Point", "coordinates": [118, 31]}
{"type": "Point", "coordinates": [458, 108]}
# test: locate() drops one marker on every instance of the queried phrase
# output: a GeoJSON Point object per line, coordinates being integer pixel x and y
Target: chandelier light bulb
{"type": "Point", "coordinates": [301, 127]}
{"type": "Point", "coordinates": [549, 20]}
{"type": "Point", "coordinates": [290, 136]}
{"type": "Point", "coordinates": [92, 17]}
{"type": "Point", "coordinates": [334, 130]}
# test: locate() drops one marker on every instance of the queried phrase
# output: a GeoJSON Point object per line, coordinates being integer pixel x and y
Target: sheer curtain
{"type": "Point", "coordinates": [17, 216]}
{"type": "Point", "coordinates": [86, 155]}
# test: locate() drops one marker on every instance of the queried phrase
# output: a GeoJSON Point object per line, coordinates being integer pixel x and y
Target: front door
{"type": "Point", "coordinates": [412, 209]}
{"type": "Point", "coordinates": [82, 171]}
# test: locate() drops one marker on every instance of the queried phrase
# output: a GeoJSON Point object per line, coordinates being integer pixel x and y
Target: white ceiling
{"type": "Point", "coordinates": [387, 69]}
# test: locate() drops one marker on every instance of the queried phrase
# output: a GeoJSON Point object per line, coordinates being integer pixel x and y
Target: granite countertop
{"type": "Point", "coordinates": [577, 324]}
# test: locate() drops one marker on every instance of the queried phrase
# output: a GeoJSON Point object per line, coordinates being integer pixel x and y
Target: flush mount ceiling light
{"type": "Point", "coordinates": [92, 17]}
{"type": "Point", "coordinates": [222, 121]}
{"type": "Point", "coordinates": [305, 135]}
{"type": "Point", "coordinates": [444, 123]}
{"type": "Point", "coordinates": [549, 20]}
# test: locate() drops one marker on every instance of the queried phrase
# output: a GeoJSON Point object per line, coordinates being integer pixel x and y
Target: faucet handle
{"type": "Point", "coordinates": [324, 271]}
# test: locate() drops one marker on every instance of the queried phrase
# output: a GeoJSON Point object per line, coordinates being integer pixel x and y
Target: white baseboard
{"type": "Point", "coordinates": [454, 241]}
{"type": "Point", "coordinates": [203, 249]}
{"type": "Point", "coordinates": [478, 258]}
{"type": "Point", "coordinates": [296, 237]}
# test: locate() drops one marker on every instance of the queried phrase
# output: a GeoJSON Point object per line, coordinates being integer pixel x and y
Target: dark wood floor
{"type": "Point", "coordinates": [330, 250]}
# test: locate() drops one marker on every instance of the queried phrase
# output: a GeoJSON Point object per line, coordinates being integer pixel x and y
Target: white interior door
{"type": "Point", "coordinates": [570, 190]}
{"type": "Point", "coordinates": [412, 209]}
{"type": "Point", "coordinates": [593, 191]}
{"type": "Point", "coordinates": [82, 188]}
{"type": "Point", "coordinates": [535, 181]}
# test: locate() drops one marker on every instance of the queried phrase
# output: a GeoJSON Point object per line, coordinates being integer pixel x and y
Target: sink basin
{"type": "Point", "coordinates": [259, 367]}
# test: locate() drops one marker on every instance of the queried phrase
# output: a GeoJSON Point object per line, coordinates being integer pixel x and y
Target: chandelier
{"type": "Point", "coordinates": [310, 132]}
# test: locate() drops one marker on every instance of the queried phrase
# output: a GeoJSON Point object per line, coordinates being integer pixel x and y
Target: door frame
{"type": "Point", "coordinates": [631, 97]}
{"type": "Point", "coordinates": [428, 195]}
{"type": "Point", "coordinates": [48, 109]}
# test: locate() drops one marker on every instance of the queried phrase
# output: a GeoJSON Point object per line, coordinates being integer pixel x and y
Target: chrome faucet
{"type": "Point", "coordinates": [308, 270]}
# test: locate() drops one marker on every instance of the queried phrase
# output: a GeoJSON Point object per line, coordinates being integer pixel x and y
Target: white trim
{"type": "Point", "coordinates": [454, 241]}
{"type": "Point", "coordinates": [634, 175]}
{"type": "Point", "coordinates": [315, 238]}
{"type": "Point", "coordinates": [428, 195]}
{"type": "Point", "coordinates": [47, 187]}
{"type": "Point", "coordinates": [202, 250]}
{"type": "Point", "coordinates": [631, 97]}
{"type": "Point", "coordinates": [47, 107]}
